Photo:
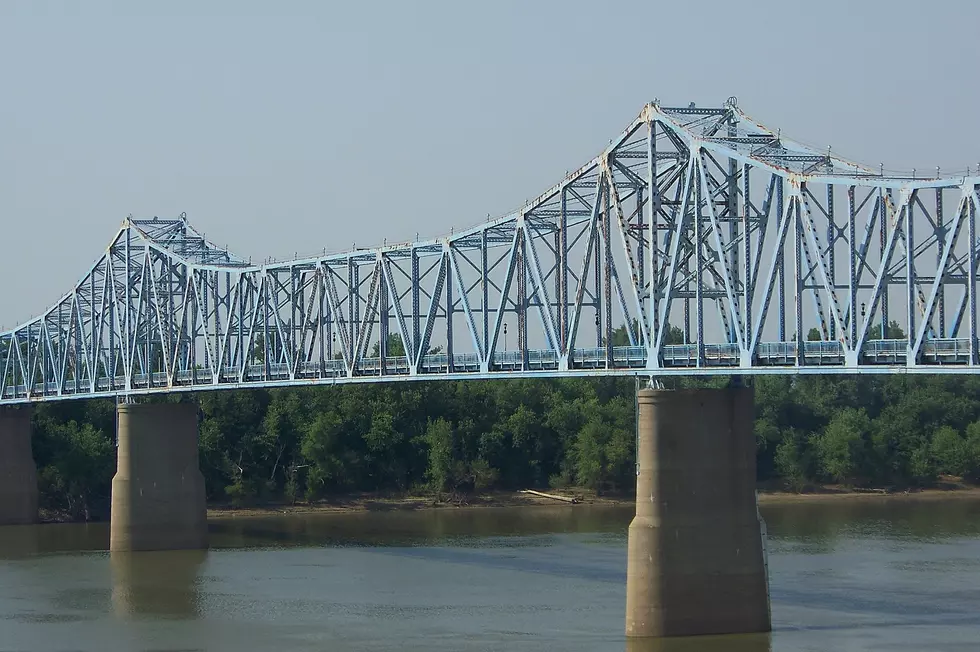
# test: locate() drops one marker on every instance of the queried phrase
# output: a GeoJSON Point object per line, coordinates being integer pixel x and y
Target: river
{"type": "Point", "coordinates": [888, 574]}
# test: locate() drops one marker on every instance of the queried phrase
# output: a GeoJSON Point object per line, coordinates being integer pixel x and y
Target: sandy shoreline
{"type": "Point", "coordinates": [367, 503]}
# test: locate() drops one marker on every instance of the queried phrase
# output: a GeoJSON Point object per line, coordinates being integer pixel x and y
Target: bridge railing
{"type": "Point", "coordinates": [884, 355]}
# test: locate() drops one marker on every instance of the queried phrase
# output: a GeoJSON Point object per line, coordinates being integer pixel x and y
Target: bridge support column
{"type": "Point", "coordinates": [18, 473]}
{"type": "Point", "coordinates": [158, 500]}
{"type": "Point", "coordinates": [696, 560]}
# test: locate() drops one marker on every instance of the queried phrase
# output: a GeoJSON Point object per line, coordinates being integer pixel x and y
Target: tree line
{"type": "Point", "coordinates": [471, 436]}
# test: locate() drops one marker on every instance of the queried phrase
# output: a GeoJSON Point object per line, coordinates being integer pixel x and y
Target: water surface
{"type": "Point", "coordinates": [889, 575]}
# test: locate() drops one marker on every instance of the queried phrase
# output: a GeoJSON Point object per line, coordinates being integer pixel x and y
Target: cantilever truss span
{"type": "Point", "coordinates": [699, 241]}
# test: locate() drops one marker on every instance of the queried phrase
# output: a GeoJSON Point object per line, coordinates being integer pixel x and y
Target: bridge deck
{"type": "Point", "coordinates": [880, 357]}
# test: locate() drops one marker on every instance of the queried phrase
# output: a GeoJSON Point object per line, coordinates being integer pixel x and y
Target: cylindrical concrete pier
{"type": "Point", "coordinates": [158, 500]}
{"type": "Point", "coordinates": [696, 563]}
{"type": "Point", "coordinates": [18, 473]}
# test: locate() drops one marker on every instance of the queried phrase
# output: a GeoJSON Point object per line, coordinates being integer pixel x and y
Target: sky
{"type": "Point", "coordinates": [294, 126]}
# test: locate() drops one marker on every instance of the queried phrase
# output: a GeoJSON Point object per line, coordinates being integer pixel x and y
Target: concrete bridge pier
{"type": "Point", "coordinates": [158, 500]}
{"type": "Point", "coordinates": [696, 561]}
{"type": "Point", "coordinates": [18, 473]}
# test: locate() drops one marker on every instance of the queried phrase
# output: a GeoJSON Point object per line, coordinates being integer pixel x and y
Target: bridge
{"type": "Point", "coordinates": [698, 242]}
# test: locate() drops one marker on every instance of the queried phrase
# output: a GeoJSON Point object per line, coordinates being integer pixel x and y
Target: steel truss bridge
{"type": "Point", "coordinates": [699, 241]}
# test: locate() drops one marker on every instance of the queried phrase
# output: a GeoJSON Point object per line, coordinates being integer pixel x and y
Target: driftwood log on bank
{"type": "Point", "coordinates": [564, 499]}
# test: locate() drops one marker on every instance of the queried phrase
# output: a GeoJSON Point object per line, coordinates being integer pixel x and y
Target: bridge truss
{"type": "Point", "coordinates": [698, 242]}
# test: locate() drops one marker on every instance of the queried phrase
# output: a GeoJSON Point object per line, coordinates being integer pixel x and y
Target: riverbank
{"type": "Point", "coordinates": [376, 503]}
{"type": "Point", "coordinates": [367, 502]}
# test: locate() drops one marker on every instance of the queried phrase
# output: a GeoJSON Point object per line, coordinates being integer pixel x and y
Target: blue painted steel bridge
{"type": "Point", "coordinates": [698, 242]}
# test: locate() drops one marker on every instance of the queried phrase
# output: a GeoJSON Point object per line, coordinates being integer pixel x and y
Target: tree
{"type": "Point", "coordinates": [81, 470]}
{"type": "Point", "coordinates": [895, 331]}
{"type": "Point", "coordinates": [949, 450]}
{"type": "Point", "coordinates": [971, 461]}
{"type": "Point", "coordinates": [840, 448]}
{"type": "Point", "coordinates": [792, 460]}
{"type": "Point", "coordinates": [478, 435]}
{"type": "Point", "coordinates": [395, 347]}
{"type": "Point", "coordinates": [672, 335]}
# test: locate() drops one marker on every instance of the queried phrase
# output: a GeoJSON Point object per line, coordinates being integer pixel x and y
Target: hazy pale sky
{"type": "Point", "coordinates": [293, 126]}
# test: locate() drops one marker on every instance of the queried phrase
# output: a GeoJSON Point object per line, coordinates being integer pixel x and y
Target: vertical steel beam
{"type": "Point", "coordinates": [748, 281]}
{"type": "Point", "coordinates": [800, 337]}
{"type": "Point", "coordinates": [780, 261]}
{"type": "Point", "coordinates": [888, 206]}
{"type": "Point", "coordinates": [599, 263]}
{"type": "Point", "coordinates": [195, 308]}
{"type": "Point", "coordinates": [383, 317]}
{"type": "Point", "coordinates": [485, 287]}
{"type": "Point", "coordinates": [699, 258]}
{"type": "Point", "coordinates": [109, 305]}
{"type": "Point", "coordinates": [653, 219]}
{"type": "Point", "coordinates": [972, 280]}
{"type": "Point", "coordinates": [219, 362]}
{"type": "Point", "coordinates": [831, 257]}
{"type": "Point", "coordinates": [449, 310]}
{"type": "Point", "coordinates": [127, 323]}
{"type": "Point", "coordinates": [353, 310]}
{"type": "Point", "coordinates": [324, 329]}
{"type": "Point", "coordinates": [640, 231]}
{"type": "Point", "coordinates": [264, 298]}
{"type": "Point", "coordinates": [852, 289]}
{"type": "Point", "coordinates": [940, 236]}
{"type": "Point", "coordinates": [561, 273]}
{"type": "Point", "coordinates": [521, 264]}
{"type": "Point", "coordinates": [607, 263]}
{"type": "Point", "coordinates": [910, 277]}
{"type": "Point", "coordinates": [733, 226]}
{"type": "Point", "coordinates": [416, 306]}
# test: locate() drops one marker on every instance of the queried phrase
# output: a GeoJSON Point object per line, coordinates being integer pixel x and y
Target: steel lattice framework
{"type": "Point", "coordinates": [699, 241]}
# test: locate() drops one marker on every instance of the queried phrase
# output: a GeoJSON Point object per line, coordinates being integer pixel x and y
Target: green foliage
{"type": "Point", "coordinates": [75, 455]}
{"type": "Point", "coordinates": [949, 451]}
{"type": "Point", "coordinates": [792, 460]}
{"type": "Point", "coordinates": [971, 464]}
{"type": "Point", "coordinates": [289, 444]}
{"type": "Point", "coordinates": [840, 448]}
{"type": "Point", "coordinates": [895, 332]}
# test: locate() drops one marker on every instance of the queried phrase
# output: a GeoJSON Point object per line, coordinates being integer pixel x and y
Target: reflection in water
{"type": "Point", "coordinates": [739, 643]}
{"type": "Point", "coordinates": [397, 528]}
{"type": "Point", "coordinates": [820, 524]}
{"type": "Point", "coordinates": [17, 541]}
{"type": "Point", "coordinates": [156, 583]}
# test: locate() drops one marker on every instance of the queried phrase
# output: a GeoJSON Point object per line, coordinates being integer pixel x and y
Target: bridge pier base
{"type": "Point", "coordinates": [696, 560]}
{"type": "Point", "coordinates": [158, 500]}
{"type": "Point", "coordinates": [18, 473]}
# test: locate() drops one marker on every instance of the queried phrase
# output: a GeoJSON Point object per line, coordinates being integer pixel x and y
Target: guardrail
{"type": "Point", "coordinates": [770, 357]}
